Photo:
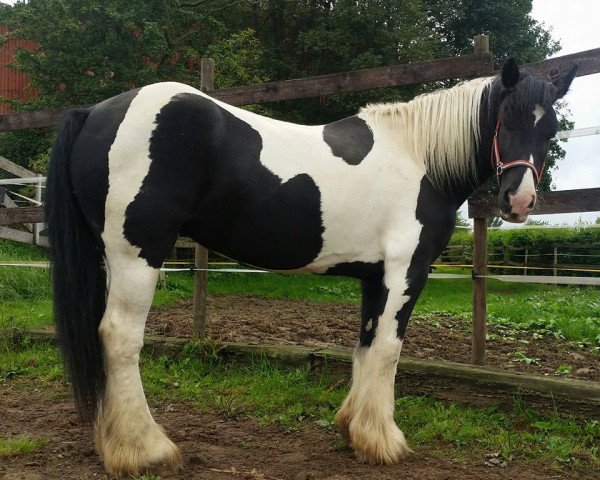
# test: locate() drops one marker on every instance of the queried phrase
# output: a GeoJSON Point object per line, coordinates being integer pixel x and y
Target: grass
{"type": "Point", "coordinates": [294, 398]}
{"type": "Point", "coordinates": [19, 446]}
{"type": "Point", "coordinates": [563, 311]}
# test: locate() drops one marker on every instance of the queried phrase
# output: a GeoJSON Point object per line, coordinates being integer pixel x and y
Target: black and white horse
{"type": "Point", "coordinates": [373, 196]}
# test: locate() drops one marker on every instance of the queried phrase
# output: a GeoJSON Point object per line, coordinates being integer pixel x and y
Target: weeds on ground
{"type": "Point", "coordinates": [296, 398]}
{"type": "Point", "coordinates": [19, 445]}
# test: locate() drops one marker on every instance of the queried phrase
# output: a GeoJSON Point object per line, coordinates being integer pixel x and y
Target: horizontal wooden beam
{"type": "Point", "coordinates": [466, 66]}
{"type": "Point", "coordinates": [588, 62]}
{"type": "Point", "coordinates": [463, 383]}
{"type": "Point", "coordinates": [11, 216]}
{"type": "Point", "coordinates": [564, 201]}
{"type": "Point", "coordinates": [21, 237]}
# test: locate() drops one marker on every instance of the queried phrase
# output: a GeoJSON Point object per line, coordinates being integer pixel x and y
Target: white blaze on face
{"type": "Point", "coordinates": [538, 113]}
{"type": "Point", "coordinates": [525, 195]}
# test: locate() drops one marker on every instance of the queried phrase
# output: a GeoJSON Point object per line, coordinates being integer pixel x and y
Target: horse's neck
{"type": "Point", "coordinates": [459, 190]}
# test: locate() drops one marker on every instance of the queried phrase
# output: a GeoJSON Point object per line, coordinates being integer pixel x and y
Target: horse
{"type": "Point", "coordinates": [373, 196]}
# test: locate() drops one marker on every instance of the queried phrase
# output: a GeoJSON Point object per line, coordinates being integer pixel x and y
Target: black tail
{"type": "Point", "coordinates": [79, 280]}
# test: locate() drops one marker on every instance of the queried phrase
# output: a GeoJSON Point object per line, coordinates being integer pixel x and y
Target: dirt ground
{"type": "Point", "coordinates": [215, 448]}
{"type": "Point", "coordinates": [219, 448]}
{"type": "Point", "coordinates": [258, 320]}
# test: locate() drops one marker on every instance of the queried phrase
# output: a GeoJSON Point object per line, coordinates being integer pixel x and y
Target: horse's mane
{"type": "Point", "coordinates": [440, 129]}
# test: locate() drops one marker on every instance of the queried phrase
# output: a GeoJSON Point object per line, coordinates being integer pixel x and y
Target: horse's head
{"type": "Point", "coordinates": [526, 124]}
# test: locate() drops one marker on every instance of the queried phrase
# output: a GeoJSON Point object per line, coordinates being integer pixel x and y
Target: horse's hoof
{"type": "Point", "coordinates": [139, 453]}
{"type": "Point", "coordinates": [381, 444]}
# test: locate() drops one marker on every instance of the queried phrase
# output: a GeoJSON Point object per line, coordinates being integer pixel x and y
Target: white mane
{"type": "Point", "coordinates": [440, 129]}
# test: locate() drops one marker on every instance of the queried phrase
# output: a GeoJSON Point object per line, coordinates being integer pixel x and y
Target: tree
{"type": "Point", "coordinates": [512, 30]}
{"type": "Point", "coordinates": [92, 49]}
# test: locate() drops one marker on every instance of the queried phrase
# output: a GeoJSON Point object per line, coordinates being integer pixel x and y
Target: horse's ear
{"type": "Point", "coordinates": [563, 81]}
{"type": "Point", "coordinates": [510, 73]}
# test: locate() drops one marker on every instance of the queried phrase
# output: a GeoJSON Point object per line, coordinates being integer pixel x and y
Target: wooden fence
{"type": "Point", "coordinates": [482, 207]}
{"type": "Point", "coordinates": [32, 223]}
{"type": "Point", "coordinates": [480, 63]}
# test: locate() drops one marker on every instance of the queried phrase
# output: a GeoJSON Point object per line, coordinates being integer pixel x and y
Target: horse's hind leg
{"type": "Point", "coordinates": [127, 437]}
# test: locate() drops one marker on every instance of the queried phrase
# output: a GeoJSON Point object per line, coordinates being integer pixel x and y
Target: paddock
{"type": "Point", "coordinates": [436, 376]}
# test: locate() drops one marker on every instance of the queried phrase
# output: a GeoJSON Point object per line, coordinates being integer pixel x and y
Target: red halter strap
{"type": "Point", "coordinates": [501, 167]}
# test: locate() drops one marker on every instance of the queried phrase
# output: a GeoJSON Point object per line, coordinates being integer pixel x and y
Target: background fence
{"type": "Point", "coordinates": [480, 206]}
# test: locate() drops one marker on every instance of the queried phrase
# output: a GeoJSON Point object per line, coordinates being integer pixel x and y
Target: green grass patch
{"type": "Point", "coordinates": [293, 398]}
{"type": "Point", "coordinates": [24, 291]}
{"type": "Point", "coordinates": [25, 358]}
{"type": "Point", "coordinates": [566, 312]}
{"type": "Point", "coordinates": [19, 445]}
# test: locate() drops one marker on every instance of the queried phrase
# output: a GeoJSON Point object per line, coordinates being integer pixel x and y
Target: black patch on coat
{"type": "Point", "coordinates": [374, 294]}
{"type": "Point", "coordinates": [351, 139]}
{"type": "Point", "coordinates": [438, 216]}
{"type": "Point", "coordinates": [374, 298]}
{"type": "Point", "coordinates": [89, 157]}
{"type": "Point", "coordinates": [206, 181]}
{"type": "Point", "coordinates": [361, 270]}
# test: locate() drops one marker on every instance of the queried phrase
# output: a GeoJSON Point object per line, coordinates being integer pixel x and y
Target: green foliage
{"type": "Point", "coordinates": [23, 146]}
{"type": "Point", "coordinates": [237, 59]}
{"type": "Point", "coordinates": [91, 50]}
{"type": "Point", "coordinates": [509, 245]}
{"type": "Point", "coordinates": [19, 445]}
{"type": "Point", "coordinates": [512, 30]}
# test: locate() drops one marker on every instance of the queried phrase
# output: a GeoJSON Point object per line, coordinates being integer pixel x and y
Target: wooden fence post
{"type": "Point", "coordinates": [479, 290]}
{"type": "Point", "coordinates": [207, 79]}
{"type": "Point", "coordinates": [481, 46]}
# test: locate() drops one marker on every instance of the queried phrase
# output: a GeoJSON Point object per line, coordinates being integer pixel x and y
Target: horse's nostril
{"type": "Point", "coordinates": [532, 204]}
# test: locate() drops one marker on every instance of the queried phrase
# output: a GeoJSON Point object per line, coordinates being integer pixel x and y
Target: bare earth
{"type": "Point", "coordinates": [219, 448]}
{"type": "Point", "coordinates": [215, 448]}
{"type": "Point", "coordinates": [257, 320]}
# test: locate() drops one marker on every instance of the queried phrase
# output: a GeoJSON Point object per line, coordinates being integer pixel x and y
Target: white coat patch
{"type": "Point", "coordinates": [538, 113]}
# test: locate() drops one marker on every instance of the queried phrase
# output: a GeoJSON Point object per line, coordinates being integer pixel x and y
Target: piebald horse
{"type": "Point", "coordinates": [372, 196]}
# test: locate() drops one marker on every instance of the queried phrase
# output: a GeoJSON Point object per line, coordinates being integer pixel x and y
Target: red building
{"type": "Point", "coordinates": [13, 84]}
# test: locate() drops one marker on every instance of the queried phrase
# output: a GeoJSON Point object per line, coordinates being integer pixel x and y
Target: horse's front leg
{"type": "Point", "coordinates": [367, 414]}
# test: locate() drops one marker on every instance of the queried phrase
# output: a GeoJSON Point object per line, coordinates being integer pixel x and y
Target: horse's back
{"type": "Point", "coordinates": [164, 159]}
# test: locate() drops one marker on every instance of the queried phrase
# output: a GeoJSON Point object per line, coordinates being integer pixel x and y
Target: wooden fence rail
{"type": "Point", "coordinates": [564, 201]}
{"type": "Point", "coordinates": [465, 66]}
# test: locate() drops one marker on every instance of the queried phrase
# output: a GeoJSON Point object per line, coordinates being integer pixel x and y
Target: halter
{"type": "Point", "coordinates": [501, 167]}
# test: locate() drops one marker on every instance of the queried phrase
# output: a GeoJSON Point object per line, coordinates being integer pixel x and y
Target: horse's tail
{"type": "Point", "coordinates": [78, 278]}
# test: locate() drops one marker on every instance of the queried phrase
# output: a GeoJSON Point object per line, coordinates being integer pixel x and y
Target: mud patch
{"type": "Point", "coordinates": [258, 320]}
{"type": "Point", "coordinates": [216, 448]}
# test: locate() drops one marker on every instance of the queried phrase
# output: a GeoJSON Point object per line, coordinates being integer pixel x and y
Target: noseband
{"type": "Point", "coordinates": [501, 167]}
